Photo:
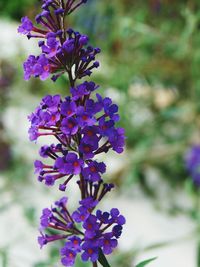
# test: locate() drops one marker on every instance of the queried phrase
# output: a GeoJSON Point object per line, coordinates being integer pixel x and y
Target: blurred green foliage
{"type": "Point", "coordinates": [15, 9]}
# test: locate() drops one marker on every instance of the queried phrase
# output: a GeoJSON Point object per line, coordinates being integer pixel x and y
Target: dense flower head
{"type": "Point", "coordinates": [83, 126]}
{"type": "Point", "coordinates": [99, 231]}
{"type": "Point", "coordinates": [61, 50]}
{"type": "Point", "coordinates": [81, 133]}
{"type": "Point", "coordinates": [37, 67]}
{"type": "Point", "coordinates": [192, 162]}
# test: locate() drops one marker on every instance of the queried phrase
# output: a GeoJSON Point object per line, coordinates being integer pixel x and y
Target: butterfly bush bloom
{"type": "Point", "coordinates": [83, 126]}
{"type": "Point", "coordinates": [192, 162]}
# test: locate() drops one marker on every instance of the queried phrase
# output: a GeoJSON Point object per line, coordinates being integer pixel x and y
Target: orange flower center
{"type": "Point", "coordinates": [53, 118]}
{"type": "Point", "coordinates": [93, 169]}
{"type": "Point", "coordinates": [89, 226]}
{"type": "Point", "coordinates": [71, 255]}
{"type": "Point", "coordinates": [75, 242]}
{"type": "Point", "coordinates": [106, 242]}
{"type": "Point", "coordinates": [90, 251]}
{"type": "Point", "coordinates": [89, 133]}
{"type": "Point", "coordinates": [86, 148]}
{"type": "Point", "coordinates": [70, 125]}
{"type": "Point", "coordinates": [84, 117]}
{"type": "Point", "coordinates": [76, 164]}
{"type": "Point", "coordinates": [46, 67]}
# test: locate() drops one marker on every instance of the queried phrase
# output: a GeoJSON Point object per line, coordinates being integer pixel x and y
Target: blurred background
{"type": "Point", "coordinates": [150, 66]}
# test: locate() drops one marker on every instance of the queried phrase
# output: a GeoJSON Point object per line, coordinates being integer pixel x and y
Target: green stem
{"type": "Point", "coordinates": [82, 186]}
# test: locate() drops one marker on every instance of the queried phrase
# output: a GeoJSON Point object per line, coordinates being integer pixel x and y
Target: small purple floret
{"type": "Point", "coordinates": [26, 26]}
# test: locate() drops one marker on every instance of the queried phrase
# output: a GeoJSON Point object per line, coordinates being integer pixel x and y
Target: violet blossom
{"type": "Point", "coordinates": [83, 125]}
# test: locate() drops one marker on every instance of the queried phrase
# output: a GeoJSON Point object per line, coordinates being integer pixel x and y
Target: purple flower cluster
{"type": "Point", "coordinates": [99, 231]}
{"type": "Point", "coordinates": [61, 49]}
{"type": "Point", "coordinates": [83, 126]}
{"type": "Point", "coordinates": [192, 162]}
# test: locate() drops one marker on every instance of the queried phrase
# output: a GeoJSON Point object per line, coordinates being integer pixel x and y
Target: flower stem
{"type": "Point", "coordinates": [94, 264]}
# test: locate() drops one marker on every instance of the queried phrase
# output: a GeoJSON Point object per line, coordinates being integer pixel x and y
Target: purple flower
{"type": "Point", "coordinates": [57, 218]}
{"type": "Point", "coordinates": [92, 172]}
{"type": "Point", "coordinates": [51, 103]}
{"type": "Point", "coordinates": [68, 108]}
{"type": "Point", "coordinates": [68, 256]}
{"type": "Point", "coordinates": [46, 217]}
{"type": "Point", "coordinates": [106, 127]}
{"type": "Point", "coordinates": [73, 163]}
{"type": "Point", "coordinates": [108, 243]}
{"type": "Point", "coordinates": [82, 90]}
{"type": "Point", "coordinates": [110, 109]}
{"type": "Point", "coordinates": [37, 67]}
{"type": "Point", "coordinates": [91, 251]}
{"type": "Point", "coordinates": [61, 166]}
{"type": "Point", "coordinates": [28, 67]}
{"type": "Point", "coordinates": [62, 202]}
{"type": "Point", "coordinates": [49, 151]}
{"type": "Point", "coordinates": [45, 116]}
{"type": "Point", "coordinates": [44, 150]}
{"type": "Point", "coordinates": [91, 227]}
{"type": "Point", "coordinates": [192, 162]}
{"type": "Point", "coordinates": [88, 202]}
{"type": "Point", "coordinates": [116, 217]}
{"type": "Point", "coordinates": [69, 46]}
{"type": "Point", "coordinates": [84, 118]}
{"type": "Point", "coordinates": [38, 166]}
{"type": "Point", "coordinates": [80, 215]}
{"type": "Point", "coordinates": [83, 40]}
{"type": "Point", "coordinates": [33, 133]}
{"type": "Point", "coordinates": [75, 243]}
{"type": "Point", "coordinates": [192, 158]}
{"type": "Point", "coordinates": [49, 180]}
{"type": "Point", "coordinates": [26, 27]}
{"type": "Point", "coordinates": [42, 240]}
{"type": "Point", "coordinates": [70, 164]}
{"type": "Point", "coordinates": [90, 134]}
{"type": "Point", "coordinates": [69, 126]}
{"type": "Point", "coordinates": [117, 139]}
{"type": "Point", "coordinates": [103, 217]}
{"type": "Point", "coordinates": [92, 107]}
{"type": "Point", "coordinates": [88, 149]}
{"type": "Point", "coordinates": [51, 48]}
{"type": "Point", "coordinates": [117, 231]}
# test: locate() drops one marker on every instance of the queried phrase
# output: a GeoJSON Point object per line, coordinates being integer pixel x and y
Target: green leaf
{"type": "Point", "coordinates": [144, 263]}
{"type": "Point", "coordinates": [102, 259]}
